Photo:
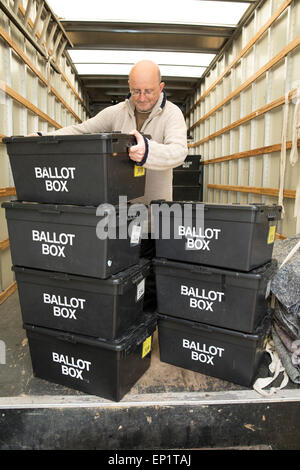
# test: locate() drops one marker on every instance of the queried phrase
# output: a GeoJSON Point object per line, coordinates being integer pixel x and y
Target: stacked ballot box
{"type": "Point", "coordinates": [188, 180]}
{"type": "Point", "coordinates": [212, 281]}
{"type": "Point", "coordinates": [77, 261]}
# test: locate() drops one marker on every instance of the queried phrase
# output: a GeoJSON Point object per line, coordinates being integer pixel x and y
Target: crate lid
{"type": "Point", "coordinates": [59, 138]}
{"type": "Point", "coordinates": [267, 270]}
{"type": "Point", "coordinates": [52, 139]}
{"type": "Point", "coordinates": [117, 284]}
{"type": "Point", "coordinates": [234, 206]}
{"type": "Point", "coordinates": [227, 212]}
{"type": "Point", "coordinates": [180, 324]}
{"type": "Point", "coordinates": [47, 208]}
{"type": "Point", "coordinates": [133, 337]}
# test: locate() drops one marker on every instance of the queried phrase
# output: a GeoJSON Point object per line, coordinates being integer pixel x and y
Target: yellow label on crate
{"type": "Point", "coordinates": [271, 235]}
{"type": "Point", "coordinates": [146, 346]}
{"type": "Point", "coordinates": [139, 170]}
{"type": "Point", "coordinates": [265, 342]}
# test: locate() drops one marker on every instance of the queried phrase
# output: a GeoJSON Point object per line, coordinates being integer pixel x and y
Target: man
{"type": "Point", "coordinates": [147, 111]}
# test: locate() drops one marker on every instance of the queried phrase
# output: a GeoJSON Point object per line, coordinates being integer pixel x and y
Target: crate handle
{"type": "Point", "coordinates": [50, 211]}
{"type": "Point", "coordinates": [67, 337]}
{"type": "Point", "coordinates": [141, 340]}
{"type": "Point", "coordinates": [60, 277]}
{"type": "Point", "coordinates": [137, 278]}
{"type": "Point", "coordinates": [47, 142]}
{"type": "Point", "coordinates": [200, 269]}
{"type": "Point", "coordinates": [204, 326]}
{"type": "Point", "coordinates": [131, 145]}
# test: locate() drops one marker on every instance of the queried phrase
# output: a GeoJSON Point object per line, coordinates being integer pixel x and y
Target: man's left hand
{"type": "Point", "coordinates": [137, 152]}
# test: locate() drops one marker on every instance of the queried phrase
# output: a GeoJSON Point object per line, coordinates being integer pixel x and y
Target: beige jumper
{"type": "Point", "coordinates": [167, 147]}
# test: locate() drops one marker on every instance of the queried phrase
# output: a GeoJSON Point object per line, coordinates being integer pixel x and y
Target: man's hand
{"type": "Point", "coordinates": [137, 152]}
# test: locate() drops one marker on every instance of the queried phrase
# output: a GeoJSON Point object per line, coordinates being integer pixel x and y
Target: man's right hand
{"type": "Point", "coordinates": [137, 152]}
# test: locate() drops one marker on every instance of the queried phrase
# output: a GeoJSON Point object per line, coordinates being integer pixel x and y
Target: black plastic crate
{"type": "Point", "coordinates": [219, 297]}
{"type": "Point", "coordinates": [234, 236]}
{"type": "Point", "coordinates": [64, 238]}
{"type": "Point", "coordinates": [188, 193]}
{"type": "Point", "coordinates": [104, 308]}
{"type": "Point", "coordinates": [187, 178]}
{"type": "Point", "coordinates": [192, 162]}
{"type": "Point", "coordinates": [86, 169]}
{"type": "Point", "coordinates": [94, 366]}
{"type": "Point", "coordinates": [217, 352]}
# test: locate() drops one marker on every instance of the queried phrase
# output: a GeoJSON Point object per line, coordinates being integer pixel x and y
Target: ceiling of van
{"type": "Point", "coordinates": [184, 38]}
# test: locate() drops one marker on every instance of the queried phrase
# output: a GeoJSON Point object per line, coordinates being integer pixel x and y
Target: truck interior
{"type": "Point", "coordinates": [202, 47]}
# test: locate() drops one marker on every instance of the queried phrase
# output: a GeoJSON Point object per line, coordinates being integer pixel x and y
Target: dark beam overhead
{"type": "Point", "coordinates": [147, 36]}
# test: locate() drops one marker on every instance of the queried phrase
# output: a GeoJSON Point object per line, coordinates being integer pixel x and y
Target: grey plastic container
{"type": "Point", "coordinates": [64, 238]}
{"type": "Point", "coordinates": [234, 236]}
{"type": "Point", "coordinates": [104, 308]}
{"type": "Point", "coordinates": [86, 169]}
{"type": "Point", "coordinates": [219, 297]}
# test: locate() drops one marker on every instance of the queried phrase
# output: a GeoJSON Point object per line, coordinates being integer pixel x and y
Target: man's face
{"type": "Point", "coordinates": [145, 92]}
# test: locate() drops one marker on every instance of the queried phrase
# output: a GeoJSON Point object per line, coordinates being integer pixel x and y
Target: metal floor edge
{"type": "Point", "coordinates": [155, 399]}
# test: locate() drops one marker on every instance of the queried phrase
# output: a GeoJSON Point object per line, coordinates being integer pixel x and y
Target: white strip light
{"type": "Point", "coordinates": [93, 56]}
{"type": "Point", "coordinates": [124, 69]}
{"type": "Point", "coordinates": [157, 11]}
{"type": "Point", "coordinates": [101, 62]}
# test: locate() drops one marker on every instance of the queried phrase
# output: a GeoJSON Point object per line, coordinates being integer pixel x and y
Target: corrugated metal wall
{"type": "Point", "coordinates": [33, 96]}
{"type": "Point", "coordinates": [245, 107]}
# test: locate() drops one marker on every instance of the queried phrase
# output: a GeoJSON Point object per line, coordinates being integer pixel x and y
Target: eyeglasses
{"type": "Point", "coordinates": [141, 92]}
